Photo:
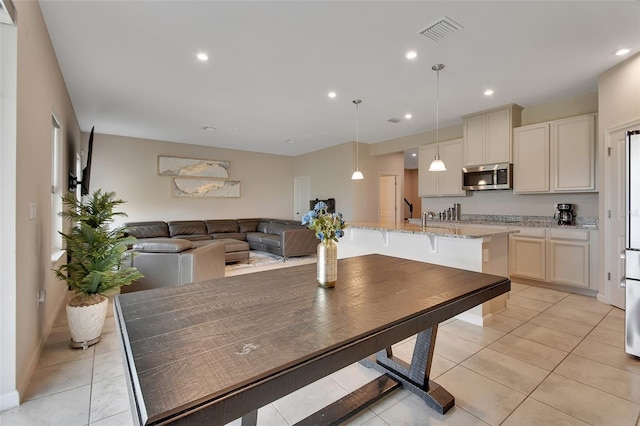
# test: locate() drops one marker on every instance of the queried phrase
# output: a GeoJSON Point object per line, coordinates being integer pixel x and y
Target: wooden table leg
{"type": "Point", "coordinates": [415, 376]}
{"type": "Point", "coordinates": [250, 419]}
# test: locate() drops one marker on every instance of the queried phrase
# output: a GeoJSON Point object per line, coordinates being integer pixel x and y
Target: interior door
{"type": "Point", "coordinates": [388, 199]}
{"type": "Point", "coordinates": [301, 196]}
{"type": "Point", "coordinates": [615, 226]}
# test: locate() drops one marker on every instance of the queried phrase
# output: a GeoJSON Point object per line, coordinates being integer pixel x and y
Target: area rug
{"type": "Point", "coordinates": [262, 261]}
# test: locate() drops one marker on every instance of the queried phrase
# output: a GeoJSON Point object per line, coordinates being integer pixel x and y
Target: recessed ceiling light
{"type": "Point", "coordinates": [412, 54]}
{"type": "Point", "coordinates": [202, 56]}
{"type": "Point", "coordinates": [624, 51]}
{"type": "Point", "coordinates": [408, 116]}
{"type": "Point", "coordinates": [488, 92]}
{"type": "Point", "coordinates": [332, 95]}
{"type": "Point", "coordinates": [414, 155]}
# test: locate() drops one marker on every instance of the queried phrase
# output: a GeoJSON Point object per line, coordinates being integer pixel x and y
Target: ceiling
{"type": "Point", "coordinates": [131, 69]}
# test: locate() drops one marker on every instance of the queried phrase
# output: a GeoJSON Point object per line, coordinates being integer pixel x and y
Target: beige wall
{"type": "Point", "coordinates": [128, 166]}
{"type": "Point", "coordinates": [330, 172]}
{"type": "Point", "coordinates": [40, 92]}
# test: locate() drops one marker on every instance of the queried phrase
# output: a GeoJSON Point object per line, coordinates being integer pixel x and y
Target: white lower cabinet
{"type": "Point", "coordinates": [527, 254]}
{"type": "Point", "coordinates": [569, 257]}
{"type": "Point", "coordinates": [553, 255]}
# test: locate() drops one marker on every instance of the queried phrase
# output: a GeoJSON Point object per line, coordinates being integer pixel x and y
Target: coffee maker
{"type": "Point", "coordinates": [564, 213]}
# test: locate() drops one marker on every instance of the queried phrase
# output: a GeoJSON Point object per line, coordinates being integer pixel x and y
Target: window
{"type": "Point", "coordinates": [56, 186]}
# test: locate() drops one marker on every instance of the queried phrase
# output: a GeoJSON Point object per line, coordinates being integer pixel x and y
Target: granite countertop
{"type": "Point", "coordinates": [523, 221]}
{"type": "Point", "coordinates": [441, 229]}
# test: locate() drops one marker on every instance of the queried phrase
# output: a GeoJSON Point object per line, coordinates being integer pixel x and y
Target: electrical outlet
{"type": "Point", "coordinates": [42, 296]}
{"type": "Point", "coordinates": [33, 210]}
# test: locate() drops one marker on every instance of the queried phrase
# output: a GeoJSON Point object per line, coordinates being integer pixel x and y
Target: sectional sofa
{"type": "Point", "coordinates": [286, 238]}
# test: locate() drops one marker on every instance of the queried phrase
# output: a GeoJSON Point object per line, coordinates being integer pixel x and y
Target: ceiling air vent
{"type": "Point", "coordinates": [394, 120]}
{"type": "Point", "coordinates": [440, 29]}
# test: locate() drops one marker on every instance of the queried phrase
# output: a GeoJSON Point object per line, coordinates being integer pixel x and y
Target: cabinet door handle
{"type": "Point", "coordinates": [623, 255]}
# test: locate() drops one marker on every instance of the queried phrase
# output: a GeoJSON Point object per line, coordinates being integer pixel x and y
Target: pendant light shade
{"type": "Point", "coordinates": [357, 174]}
{"type": "Point", "coordinates": [437, 165]}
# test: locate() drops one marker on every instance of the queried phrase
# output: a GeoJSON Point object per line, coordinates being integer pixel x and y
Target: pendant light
{"type": "Point", "coordinates": [437, 165]}
{"type": "Point", "coordinates": [357, 175]}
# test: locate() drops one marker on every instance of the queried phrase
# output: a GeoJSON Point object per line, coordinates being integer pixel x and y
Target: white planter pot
{"type": "Point", "coordinates": [86, 322]}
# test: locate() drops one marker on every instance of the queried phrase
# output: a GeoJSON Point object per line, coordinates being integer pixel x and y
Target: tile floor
{"type": "Point", "coordinates": [551, 358]}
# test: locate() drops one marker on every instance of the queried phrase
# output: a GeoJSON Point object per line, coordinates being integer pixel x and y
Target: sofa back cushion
{"type": "Point", "coordinates": [248, 225]}
{"type": "Point", "coordinates": [147, 229]}
{"type": "Point", "coordinates": [263, 226]}
{"type": "Point", "coordinates": [221, 226]}
{"type": "Point", "coordinates": [187, 227]}
{"type": "Point", "coordinates": [162, 245]}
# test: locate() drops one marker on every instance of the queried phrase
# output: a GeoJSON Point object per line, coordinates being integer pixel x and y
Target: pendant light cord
{"type": "Point", "coordinates": [438, 112]}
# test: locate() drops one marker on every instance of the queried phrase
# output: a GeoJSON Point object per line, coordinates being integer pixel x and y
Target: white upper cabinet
{"type": "Point", "coordinates": [555, 156]}
{"type": "Point", "coordinates": [438, 184]}
{"type": "Point", "coordinates": [573, 154]}
{"type": "Point", "coordinates": [488, 135]}
{"type": "Point", "coordinates": [531, 163]}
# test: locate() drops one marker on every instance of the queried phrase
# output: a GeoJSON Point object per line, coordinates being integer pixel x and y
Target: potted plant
{"type": "Point", "coordinates": [95, 265]}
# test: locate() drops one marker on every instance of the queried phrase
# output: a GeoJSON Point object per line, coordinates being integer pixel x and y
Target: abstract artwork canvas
{"type": "Point", "coordinates": [193, 167]}
{"type": "Point", "coordinates": [204, 188]}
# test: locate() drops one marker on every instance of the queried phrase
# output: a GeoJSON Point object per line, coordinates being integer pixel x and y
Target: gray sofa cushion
{"type": "Point", "coordinates": [248, 225]}
{"type": "Point", "coordinates": [187, 227]}
{"type": "Point", "coordinates": [197, 237]}
{"type": "Point", "coordinates": [221, 225]}
{"type": "Point", "coordinates": [162, 245]}
{"type": "Point", "coordinates": [271, 240]}
{"type": "Point", "coordinates": [233, 235]}
{"type": "Point", "coordinates": [256, 236]}
{"type": "Point", "coordinates": [147, 229]}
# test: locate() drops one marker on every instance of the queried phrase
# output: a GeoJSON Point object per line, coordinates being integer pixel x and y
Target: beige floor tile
{"type": "Point", "coordinates": [480, 396]}
{"type": "Point", "coordinates": [454, 348]}
{"type": "Point", "coordinates": [59, 378]}
{"type": "Point", "coordinates": [544, 294]}
{"type": "Point", "coordinates": [108, 397]}
{"type": "Point", "coordinates": [354, 376]}
{"type": "Point", "coordinates": [70, 408]}
{"type": "Point", "coordinates": [121, 419]}
{"type": "Point", "coordinates": [612, 323]}
{"type": "Point", "coordinates": [477, 334]}
{"type": "Point", "coordinates": [516, 312]}
{"type": "Point", "coordinates": [389, 400]}
{"type": "Point", "coordinates": [517, 287]}
{"type": "Point", "coordinates": [575, 314]}
{"type": "Point", "coordinates": [61, 352]}
{"type": "Point", "coordinates": [534, 413]}
{"type": "Point", "coordinates": [439, 364]}
{"type": "Point", "coordinates": [109, 342]}
{"type": "Point", "coordinates": [528, 303]}
{"type": "Point", "coordinates": [609, 355]}
{"type": "Point", "coordinates": [585, 403]}
{"type": "Point", "coordinates": [554, 322]}
{"type": "Point", "coordinates": [506, 370]}
{"type": "Point", "coordinates": [108, 365]}
{"type": "Point", "coordinates": [616, 313]}
{"type": "Point", "coordinates": [412, 411]}
{"type": "Point", "coordinates": [267, 416]}
{"type": "Point", "coordinates": [609, 379]}
{"type": "Point", "coordinates": [311, 398]}
{"type": "Point", "coordinates": [608, 336]}
{"type": "Point", "coordinates": [59, 335]}
{"type": "Point", "coordinates": [534, 353]}
{"type": "Point", "coordinates": [504, 323]}
{"type": "Point", "coordinates": [546, 336]}
{"type": "Point", "coordinates": [586, 303]}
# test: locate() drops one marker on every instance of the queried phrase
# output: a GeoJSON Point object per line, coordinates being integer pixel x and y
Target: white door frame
{"type": "Point", "coordinates": [612, 270]}
{"type": "Point", "coordinates": [301, 186]}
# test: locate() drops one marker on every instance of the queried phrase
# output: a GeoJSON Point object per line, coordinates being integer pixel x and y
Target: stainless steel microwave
{"type": "Point", "coordinates": [487, 176]}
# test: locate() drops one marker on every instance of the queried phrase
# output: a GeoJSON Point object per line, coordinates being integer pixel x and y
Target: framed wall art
{"type": "Point", "coordinates": [204, 188]}
{"type": "Point", "coordinates": [193, 167]}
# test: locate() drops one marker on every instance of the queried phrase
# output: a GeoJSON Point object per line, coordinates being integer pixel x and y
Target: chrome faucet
{"type": "Point", "coordinates": [427, 215]}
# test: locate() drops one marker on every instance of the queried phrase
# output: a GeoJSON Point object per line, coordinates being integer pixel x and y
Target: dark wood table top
{"type": "Point", "coordinates": [192, 346]}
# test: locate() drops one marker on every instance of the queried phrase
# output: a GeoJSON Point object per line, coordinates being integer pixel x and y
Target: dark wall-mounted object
{"type": "Point", "coordinates": [86, 172]}
{"type": "Point", "coordinates": [331, 203]}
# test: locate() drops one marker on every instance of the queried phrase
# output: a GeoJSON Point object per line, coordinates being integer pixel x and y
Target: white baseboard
{"type": "Point", "coordinates": [9, 400]}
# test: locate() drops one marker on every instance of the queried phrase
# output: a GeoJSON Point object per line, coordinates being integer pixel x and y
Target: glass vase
{"type": "Point", "coordinates": [327, 264]}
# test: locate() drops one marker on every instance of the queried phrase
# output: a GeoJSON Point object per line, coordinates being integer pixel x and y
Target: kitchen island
{"type": "Point", "coordinates": [476, 249]}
